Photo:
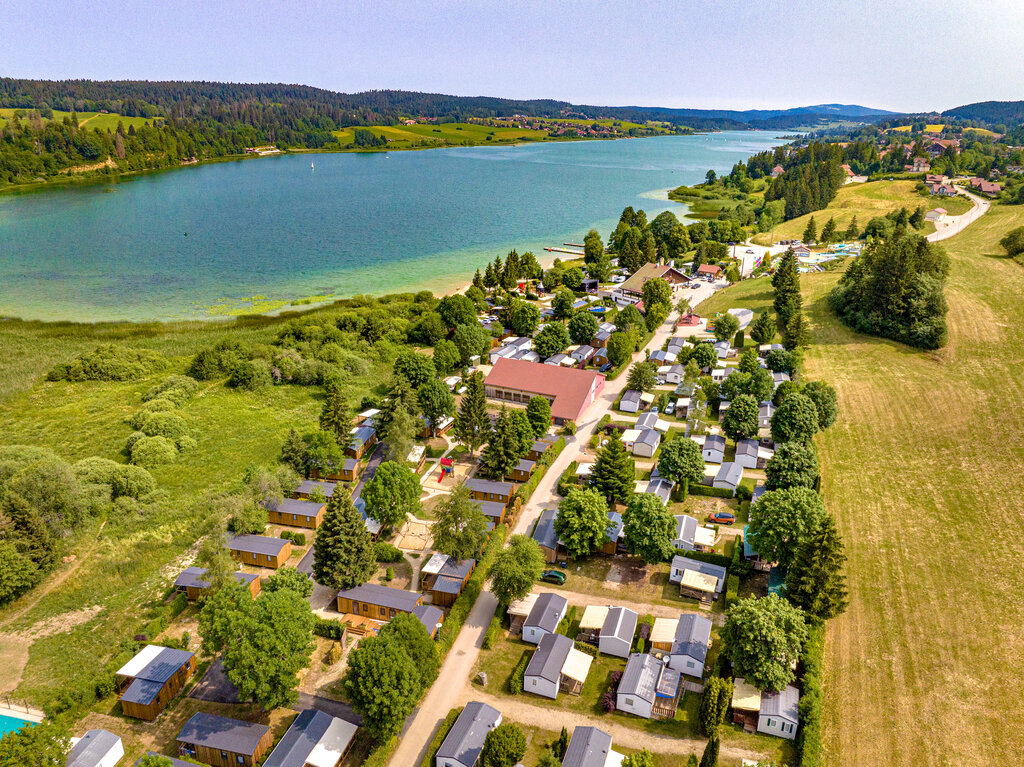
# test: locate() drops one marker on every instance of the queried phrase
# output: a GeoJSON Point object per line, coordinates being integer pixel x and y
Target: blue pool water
{"type": "Point", "coordinates": [11, 724]}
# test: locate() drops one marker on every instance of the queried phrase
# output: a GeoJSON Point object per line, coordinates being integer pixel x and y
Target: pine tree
{"type": "Point", "coordinates": [786, 284]}
{"type": "Point", "coordinates": [293, 452]}
{"type": "Point", "coordinates": [815, 582]}
{"type": "Point", "coordinates": [343, 556]}
{"type": "Point", "coordinates": [490, 278]}
{"type": "Point", "coordinates": [472, 425]}
{"type": "Point", "coordinates": [763, 329]}
{"type": "Point", "coordinates": [614, 472]}
{"type": "Point", "coordinates": [710, 756]}
{"type": "Point", "coordinates": [811, 231]}
{"type": "Point", "coordinates": [334, 416]}
{"type": "Point", "coordinates": [828, 232]}
{"type": "Point", "coordinates": [797, 333]}
{"type": "Point", "coordinates": [503, 449]}
{"type": "Point", "coordinates": [853, 230]}
{"type": "Point", "coordinates": [478, 281]}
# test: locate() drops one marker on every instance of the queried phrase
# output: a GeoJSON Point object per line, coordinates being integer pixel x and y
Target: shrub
{"type": "Point", "coordinates": [95, 470]}
{"type": "Point", "coordinates": [569, 427]}
{"type": "Point", "coordinates": [732, 590]}
{"type": "Point", "coordinates": [134, 437]}
{"type": "Point", "coordinates": [299, 539]}
{"type": "Point", "coordinates": [608, 702]}
{"type": "Point", "coordinates": [131, 482]}
{"type": "Point", "coordinates": [328, 628]}
{"type": "Point", "coordinates": [744, 493]}
{"type": "Point", "coordinates": [809, 737]}
{"type": "Point", "coordinates": [333, 654]}
{"type": "Point", "coordinates": [568, 479]}
{"type": "Point", "coordinates": [185, 443]}
{"type": "Point", "coordinates": [251, 375]}
{"type": "Point", "coordinates": [170, 425]}
{"type": "Point", "coordinates": [492, 633]}
{"type": "Point", "coordinates": [515, 681]}
{"type": "Point", "coordinates": [705, 556]}
{"type": "Point", "coordinates": [177, 389]}
{"type": "Point", "coordinates": [152, 451]}
{"type": "Point", "coordinates": [449, 721]}
{"type": "Point", "coordinates": [159, 405]}
{"type": "Point", "coordinates": [707, 490]}
{"type": "Point", "coordinates": [389, 574]}
{"type": "Point", "coordinates": [109, 362]}
{"type": "Point", "coordinates": [386, 552]}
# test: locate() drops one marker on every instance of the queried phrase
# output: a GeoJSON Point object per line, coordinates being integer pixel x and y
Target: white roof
{"type": "Point", "coordinates": [698, 438]}
{"type": "Point", "coordinates": [640, 486]}
{"type": "Point", "coordinates": [614, 759]}
{"type": "Point", "coordinates": [664, 629]}
{"type": "Point", "coordinates": [584, 469]}
{"type": "Point", "coordinates": [662, 426]}
{"type": "Point", "coordinates": [332, 745]}
{"type": "Point", "coordinates": [704, 536]}
{"type": "Point", "coordinates": [647, 397]}
{"type": "Point", "coordinates": [140, 661]}
{"type": "Point", "coordinates": [577, 665]}
{"type": "Point", "coordinates": [523, 606]}
{"type": "Point", "coordinates": [416, 453]}
{"type": "Point", "coordinates": [630, 435]}
{"type": "Point", "coordinates": [593, 617]}
{"type": "Point", "coordinates": [699, 581]}
{"type": "Point", "coordinates": [369, 413]}
{"type": "Point", "coordinates": [434, 564]}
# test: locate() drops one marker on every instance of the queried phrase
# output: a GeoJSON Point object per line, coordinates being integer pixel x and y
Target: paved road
{"type": "Point", "coordinates": [953, 225]}
{"type": "Point", "coordinates": [449, 690]}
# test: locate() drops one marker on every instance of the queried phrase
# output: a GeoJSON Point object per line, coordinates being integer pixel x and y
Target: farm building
{"type": "Point", "coordinates": [377, 602]}
{"type": "Point", "coordinates": [648, 688]}
{"type": "Point", "coordinates": [315, 739]}
{"type": "Point", "coordinates": [150, 680]}
{"type": "Point", "coordinates": [97, 748]}
{"type": "Point", "coordinates": [191, 582]}
{"type": "Point", "coordinates": [690, 645]}
{"type": "Point", "coordinates": [260, 550]}
{"type": "Point", "coordinates": [294, 512]}
{"type": "Point", "coordinates": [570, 391]}
{"type": "Point", "coordinates": [462, 745]}
{"type": "Point", "coordinates": [547, 613]}
{"type": "Point", "coordinates": [556, 666]}
{"type": "Point", "coordinates": [223, 742]}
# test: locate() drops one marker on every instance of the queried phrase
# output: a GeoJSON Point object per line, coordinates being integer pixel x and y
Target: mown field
{"type": "Point", "coordinates": [865, 201]}
{"type": "Point", "coordinates": [445, 134]}
{"type": "Point", "coordinates": [923, 474]}
{"type": "Point", "coordinates": [92, 120]}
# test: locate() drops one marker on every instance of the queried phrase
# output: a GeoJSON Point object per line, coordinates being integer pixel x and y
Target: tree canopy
{"type": "Point", "coordinates": [343, 556]}
{"type": "Point", "coordinates": [794, 465]}
{"type": "Point", "coordinates": [762, 637]}
{"type": "Point", "coordinates": [460, 527]}
{"type": "Point", "coordinates": [392, 493]}
{"type": "Point", "coordinates": [648, 528]}
{"type": "Point", "coordinates": [516, 569]}
{"type": "Point", "coordinates": [681, 460]}
{"type": "Point", "coordinates": [782, 520]}
{"type": "Point", "coordinates": [582, 522]}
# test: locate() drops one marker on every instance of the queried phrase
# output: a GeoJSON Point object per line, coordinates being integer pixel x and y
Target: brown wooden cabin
{"type": "Point", "coordinates": [307, 486]}
{"type": "Point", "coordinates": [224, 742]}
{"type": "Point", "coordinates": [444, 578]}
{"type": "Point", "coordinates": [293, 512]}
{"type": "Point", "coordinates": [260, 550]}
{"type": "Point", "coordinates": [349, 471]}
{"type": "Point", "coordinates": [495, 511]}
{"type": "Point", "coordinates": [191, 582]}
{"type": "Point", "coordinates": [489, 490]}
{"type": "Point", "coordinates": [149, 681]}
{"type": "Point", "coordinates": [363, 438]}
{"type": "Point", "coordinates": [545, 535]}
{"type": "Point", "coordinates": [540, 447]}
{"type": "Point", "coordinates": [523, 470]}
{"type": "Point", "coordinates": [444, 425]}
{"type": "Point", "coordinates": [377, 602]}
{"type": "Point", "coordinates": [431, 617]}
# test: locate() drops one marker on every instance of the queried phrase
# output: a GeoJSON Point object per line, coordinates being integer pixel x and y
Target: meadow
{"type": "Point", "coordinates": [444, 134]}
{"type": "Point", "coordinates": [922, 471]}
{"type": "Point", "coordinates": [91, 120]}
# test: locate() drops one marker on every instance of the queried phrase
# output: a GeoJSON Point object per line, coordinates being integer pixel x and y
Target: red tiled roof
{"type": "Point", "coordinates": [709, 269]}
{"type": "Point", "coordinates": [569, 386]}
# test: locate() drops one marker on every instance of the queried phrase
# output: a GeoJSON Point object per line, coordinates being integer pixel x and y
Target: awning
{"type": "Point", "coordinates": [577, 665]}
{"type": "Point", "coordinates": [523, 606]}
{"type": "Point", "coordinates": [699, 581]}
{"type": "Point", "coordinates": [593, 617]}
{"type": "Point", "coordinates": [664, 630]}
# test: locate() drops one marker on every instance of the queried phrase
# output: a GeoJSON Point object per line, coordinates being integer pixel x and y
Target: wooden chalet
{"type": "Point", "coordinates": [538, 449]}
{"type": "Point", "coordinates": [149, 681]}
{"type": "Point", "coordinates": [192, 584]}
{"type": "Point", "coordinates": [308, 486]}
{"type": "Point", "coordinates": [223, 742]}
{"type": "Point", "coordinates": [293, 512]}
{"type": "Point", "coordinates": [260, 550]}
{"type": "Point", "coordinates": [495, 511]}
{"type": "Point", "coordinates": [522, 471]}
{"type": "Point", "coordinates": [489, 490]}
{"type": "Point", "coordinates": [363, 438]}
{"type": "Point", "coordinates": [444, 578]}
{"type": "Point", "coordinates": [376, 602]}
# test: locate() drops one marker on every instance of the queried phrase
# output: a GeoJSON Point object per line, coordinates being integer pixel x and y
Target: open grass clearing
{"type": "Point", "coordinates": [90, 120]}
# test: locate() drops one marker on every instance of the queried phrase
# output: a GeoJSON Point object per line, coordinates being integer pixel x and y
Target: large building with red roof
{"type": "Point", "coordinates": [569, 390]}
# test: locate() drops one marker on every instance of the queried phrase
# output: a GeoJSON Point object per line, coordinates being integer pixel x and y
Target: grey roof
{"type": "Point", "coordinates": [492, 509]}
{"type": "Point", "coordinates": [465, 740]}
{"type": "Point", "coordinates": [602, 335]}
{"type": "Point", "coordinates": [730, 473]}
{"type": "Point", "coordinates": [429, 616]}
{"type": "Point", "coordinates": [547, 611]}
{"type": "Point", "coordinates": [588, 747]}
{"type": "Point", "coordinates": [614, 529]}
{"type": "Point", "coordinates": [646, 421]}
{"type": "Point", "coordinates": [489, 486]}
{"type": "Point", "coordinates": [556, 359]}
{"type": "Point", "coordinates": [767, 410]}
{"type": "Point", "coordinates": [525, 464]}
{"type": "Point", "coordinates": [376, 594]}
{"type": "Point", "coordinates": [295, 747]}
{"type": "Point", "coordinates": [223, 734]}
{"type": "Point", "coordinates": [307, 485]}
{"type": "Point", "coordinates": [784, 704]}
{"type": "Point", "coordinates": [362, 435]}
{"type": "Point", "coordinates": [192, 577]}
{"type": "Point", "coordinates": [540, 446]}
{"type": "Point", "coordinates": [630, 395]}
{"type": "Point", "coordinates": [641, 676]}
{"type": "Point", "coordinates": [758, 492]}
{"type": "Point", "coordinates": [714, 442]}
{"type": "Point", "coordinates": [649, 437]}
{"type": "Point", "coordinates": [257, 544]}
{"type": "Point", "coordinates": [693, 632]}
{"type": "Point", "coordinates": [544, 533]}
{"type": "Point", "coordinates": [295, 506]}
{"type": "Point", "coordinates": [680, 562]}
{"type": "Point", "coordinates": [151, 679]}
{"type": "Point", "coordinates": [620, 622]}
{"type": "Point", "coordinates": [174, 762]}
{"type": "Point", "coordinates": [350, 464]}
{"type": "Point", "coordinates": [549, 657]}
{"type": "Point", "coordinates": [661, 488]}
{"type": "Point", "coordinates": [747, 447]}
{"type": "Point", "coordinates": [584, 352]}
{"type": "Point", "coordinates": [91, 748]}
{"type": "Point", "coordinates": [686, 528]}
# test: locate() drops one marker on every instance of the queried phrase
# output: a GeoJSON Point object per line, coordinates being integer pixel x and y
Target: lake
{"type": "Point", "coordinates": [218, 239]}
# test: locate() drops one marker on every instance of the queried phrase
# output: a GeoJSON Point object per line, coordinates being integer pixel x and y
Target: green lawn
{"type": "Point", "coordinates": [444, 134]}
{"type": "Point", "coordinates": [91, 120]}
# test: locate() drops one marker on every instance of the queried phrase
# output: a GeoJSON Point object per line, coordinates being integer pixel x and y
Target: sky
{"type": "Point", "coordinates": [903, 55]}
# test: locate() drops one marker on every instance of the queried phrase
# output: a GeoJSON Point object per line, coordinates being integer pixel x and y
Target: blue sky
{"type": "Point", "coordinates": [896, 54]}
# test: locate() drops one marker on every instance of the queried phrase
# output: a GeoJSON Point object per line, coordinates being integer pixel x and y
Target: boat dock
{"type": "Point", "coordinates": [577, 253]}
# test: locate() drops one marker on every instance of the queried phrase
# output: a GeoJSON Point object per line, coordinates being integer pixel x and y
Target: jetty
{"type": "Point", "coordinates": [577, 253]}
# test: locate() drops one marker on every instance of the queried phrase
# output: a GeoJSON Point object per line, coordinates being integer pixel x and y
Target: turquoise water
{"type": "Point", "coordinates": [11, 724]}
{"type": "Point", "coordinates": [171, 245]}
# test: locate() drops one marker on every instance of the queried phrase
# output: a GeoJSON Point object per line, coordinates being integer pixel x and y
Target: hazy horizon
{"type": "Point", "coordinates": [702, 55]}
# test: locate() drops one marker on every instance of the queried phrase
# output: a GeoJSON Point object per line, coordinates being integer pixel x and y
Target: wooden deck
{"type": "Point", "coordinates": [361, 625]}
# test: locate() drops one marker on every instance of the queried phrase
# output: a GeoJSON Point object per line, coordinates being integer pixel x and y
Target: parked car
{"type": "Point", "coordinates": [605, 367]}
{"type": "Point", "coordinates": [670, 408]}
{"type": "Point", "coordinates": [654, 410]}
{"type": "Point", "coordinates": [722, 518]}
{"type": "Point", "coordinates": [749, 250]}
{"type": "Point", "coordinates": [553, 576]}
{"type": "Point", "coordinates": [694, 286]}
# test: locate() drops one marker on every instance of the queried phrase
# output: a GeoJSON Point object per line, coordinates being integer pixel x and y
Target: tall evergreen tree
{"type": "Point", "coordinates": [797, 334]}
{"type": "Point", "coordinates": [710, 756]}
{"type": "Point", "coordinates": [763, 328]}
{"type": "Point", "coordinates": [828, 232]}
{"type": "Point", "coordinates": [478, 281]}
{"type": "Point", "coordinates": [334, 416]}
{"type": "Point", "coordinates": [343, 556]}
{"type": "Point", "coordinates": [811, 231]}
{"type": "Point", "coordinates": [501, 454]}
{"type": "Point", "coordinates": [853, 230]}
{"type": "Point", "coordinates": [614, 473]}
{"type": "Point", "coordinates": [786, 285]}
{"type": "Point", "coordinates": [815, 582]}
{"type": "Point", "coordinates": [472, 425]}
{"type": "Point", "coordinates": [293, 452]}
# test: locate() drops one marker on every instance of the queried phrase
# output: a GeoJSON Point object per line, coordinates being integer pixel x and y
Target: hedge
{"type": "Point", "coordinates": [386, 552]}
{"type": "Point", "coordinates": [568, 479]}
{"type": "Point", "coordinates": [515, 680]}
{"type": "Point", "coordinates": [702, 556]}
{"type": "Point", "coordinates": [732, 590]}
{"type": "Point", "coordinates": [457, 615]}
{"type": "Point", "coordinates": [299, 539]}
{"type": "Point", "coordinates": [328, 628]}
{"type": "Point", "coordinates": [442, 733]}
{"type": "Point", "coordinates": [492, 633]}
{"type": "Point", "coordinates": [382, 753]}
{"type": "Point", "coordinates": [808, 741]}
{"type": "Point", "coordinates": [714, 492]}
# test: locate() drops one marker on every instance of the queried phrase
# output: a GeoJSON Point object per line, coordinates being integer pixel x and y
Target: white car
{"type": "Point", "coordinates": [618, 278]}
{"type": "Point", "coordinates": [670, 408]}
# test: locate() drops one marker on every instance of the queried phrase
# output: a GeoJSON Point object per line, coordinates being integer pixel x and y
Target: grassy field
{"type": "Point", "coordinates": [446, 134]}
{"type": "Point", "coordinates": [92, 120]}
{"type": "Point", "coordinates": [923, 474]}
{"type": "Point", "coordinates": [865, 201]}
{"type": "Point", "coordinates": [930, 128]}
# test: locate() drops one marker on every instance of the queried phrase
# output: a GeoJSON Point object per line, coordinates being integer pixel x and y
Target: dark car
{"type": "Point", "coordinates": [553, 576]}
{"type": "Point", "coordinates": [722, 518]}
{"type": "Point", "coordinates": [605, 367]}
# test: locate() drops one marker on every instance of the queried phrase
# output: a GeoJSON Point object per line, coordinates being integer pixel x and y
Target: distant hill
{"type": "Point", "coordinates": [992, 112]}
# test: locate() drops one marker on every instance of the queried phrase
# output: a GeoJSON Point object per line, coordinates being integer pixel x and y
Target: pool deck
{"type": "Point", "coordinates": [18, 711]}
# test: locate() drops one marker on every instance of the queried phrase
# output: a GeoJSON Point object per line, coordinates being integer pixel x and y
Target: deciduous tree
{"type": "Point", "coordinates": [289, 578]}
{"type": "Point", "coordinates": [383, 684]}
{"type": "Point", "coordinates": [620, 347]}
{"type": "Point", "coordinates": [538, 411]}
{"type": "Point", "coordinates": [726, 326]}
{"type": "Point", "coordinates": [762, 637]}
{"type": "Point", "coordinates": [392, 493]}
{"type": "Point", "coordinates": [551, 340]}
{"type": "Point", "coordinates": [582, 522]}
{"type": "Point", "coordinates": [782, 520]}
{"type": "Point", "coordinates": [796, 419]}
{"type": "Point", "coordinates": [522, 317]}
{"type": "Point", "coordinates": [794, 465]}
{"type": "Point", "coordinates": [460, 529]}
{"type": "Point", "coordinates": [681, 461]}
{"type": "Point", "coordinates": [825, 400]}
{"type": "Point", "coordinates": [562, 303]}
{"type": "Point", "coordinates": [414, 368]}
{"type": "Point", "coordinates": [516, 569]}
{"type": "Point", "coordinates": [436, 401]}
{"type": "Point", "coordinates": [643, 376]}
{"type": "Point", "coordinates": [741, 419]}
{"type": "Point", "coordinates": [582, 327]}
{"type": "Point", "coordinates": [648, 528]}
{"type": "Point", "coordinates": [504, 746]}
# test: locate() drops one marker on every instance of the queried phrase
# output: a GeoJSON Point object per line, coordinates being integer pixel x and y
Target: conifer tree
{"type": "Point", "coordinates": [614, 472]}
{"type": "Point", "coordinates": [853, 230]}
{"type": "Point", "coordinates": [334, 416]}
{"type": "Point", "coordinates": [472, 424]}
{"type": "Point", "coordinates": [343, 556]}
{"type": "Point", "coordinates": [828, 232]}
{"type": "Point", "coordinates": [763, 328]}
{"type": "Point", "coordinates": [502, 452]}
{"type": "Point", "coordinates": [815, 582]}
{"type": "Point", "coordinates": [478, 281]}
{"type": "Point", "coordinates": [811, 231]}
{"type": "Point", "coordinates": [710, 756]}
{"type": "Point", "coordinates": [786, 284]}
{"type": "Point", "coordinates": [293, 452]}
{"type": "Point", "coordinates": [797, 333]}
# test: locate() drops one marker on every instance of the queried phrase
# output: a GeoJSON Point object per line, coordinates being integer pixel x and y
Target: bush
{"type": "Point", "coordinates": [132, 482]}
{"type": "Point", "coordinates": [707, 490]}
{"type": "Point", "coordinates": [809, 738]}
{"type": "Point", "coordinates": [134, 437]}
{"type": "Point", "coordinates": [492, 633]}
{"type": "Point", "coordinates": [185, 443]}
{"type": "Point", "coordinates": [109, 362]}
{"type": "Point", "coordinates": [170, 425]}
{"type": "Point", "coordinates": [95, 470]}
{"type": "Point", "coordinates": [569, 427]}
{"type": "Point", "coordinates": [333, 654]}
{"type": "Point", "coordinates": [250, 519]}
{"type": "Point", "coordinates": [744, 493]}
{"type": "Point", "coordinates": [176, 389]}
{"type": "Point", "coordinates": [385, 552]}
{"type": "Point", "coordinates": [389, 574]}
{"type": "Point", "coordinates": [704, 556]}
{"type": "Point", "coordinates": [299, 539]}
{"type": "Point", "coordinates": [568, 479]}
{"type": "Point", "coordinates": [732, 590]}
{"type": "Point", "coordinates": [251, 375]}
{"type": "Point", "coordinates": [152, 451]}
{"type": "Point", "coordinates": [159, 405]}
{"type": "Point", "coordinates": [328, 629]}
{"type": "Point", "coordinates": [515, 681]}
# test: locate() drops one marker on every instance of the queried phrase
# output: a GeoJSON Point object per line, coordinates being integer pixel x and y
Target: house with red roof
{"type": "Point", "coordinates": [569, 390]}
{"type": "Point", "coordinates": [708, 272]}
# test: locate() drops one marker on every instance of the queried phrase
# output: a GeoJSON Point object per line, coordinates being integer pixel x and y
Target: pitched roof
{"type": "Point", "coordinates": [192, 577]}
{"type": "Point", "coordinates": [747, 447]}
{"type": "Point", "coordinates": [620, 622]}
{"type": "Point", "coordinates": [295, 506]}
{"type": "Point", "coordinates": [221, 733]}
{"type": "Point", "coordinates": [784, 704]}
{"type": "Point", "coordinates": [315, 739]}
{"type": "Point", "coordinates": [376, 594]}
{"type": "Point", "coordinates": [258, 544]}
{"type": "Point", "coordinates": [569, 387]}
{"type": "Point", "coordinates": [544, 533]}
{"type": "Point", "coordinates": [714, 442]}
{"type": "Point", "coordinates": [547, 661]}
{"type": "Point", "coordinates": [91, 748]}
{"type": "Point", "coordinates": [685, 564]}
{"type": "Point", "coordinates": [151, 667]}
{"type": "Point", "coordinates": [640, 677]}
{"type": "Point", "coordinates": [709, 269]}
{"type": "Point", "coordinates": [588, 747]}
{"type": "Point", "coordinates": [465, 740]}
{"type": "Point", "coordinates": [693, 633]}
{"type": "Point", "coordinates": [308, 485]}
{"type": "Point", "coordinates": [731, 473]}
{"type": "Point", "coordinates": [489, 486]}
{"type": "Point", "coordinates": [686, 528]}
{"type": "Point", "coordinates": [614, 529]}
{"type": "Point", "coordinates": [429, 616]}
{"type": "Point", "coordinates": [547, 612]}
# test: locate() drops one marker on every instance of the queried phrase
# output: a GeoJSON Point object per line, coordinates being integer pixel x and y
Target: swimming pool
{"type": "Point", "coordinates": [11, 724]}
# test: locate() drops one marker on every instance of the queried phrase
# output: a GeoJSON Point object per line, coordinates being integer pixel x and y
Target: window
{"type": "Point", "coordinates": [629, 701]}
{"type": "Point", "coordinates": [240, 759]}
{"type": "Point", "coordinates": [294, 516]}
{"type": "Point", "coordinates": [268, 557]}
{"type": "Point", "coordinates": [690, 664]}
{"type": "Point", "coordinates": [223, 754]}
{"type": "Point", "coordinates": [771, 723]}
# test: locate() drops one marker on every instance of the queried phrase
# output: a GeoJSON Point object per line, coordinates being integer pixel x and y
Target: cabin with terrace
{"type": "Point", "coordinates": [490, 490]}
{"type": "Point", "coordinates": [223, 742]}
{"type": "Point", "coordinates": [443, 578]}
{"type": "Point", "coordinates": [495, 512]}
{"type": "Point", "coordinates": [293, 512]}
{"type": "Point", "coordinates": [690, 645]}
{"type": "Point", "coordinates": [97, 748]}
{"type": "Point", "coordinates": [648, 688]}
{"type": "Point", "coordinates": [149, 681]}
{"type": "Point", "coordinates": [697, 580]}
{"type": "Point", "coordinates": [315, 739]}
{"type": "Point", "coordinates": [260, 550]}
{"type": "Point", "coordinates": [771, 713]}
{"type": "Point", "coordinates": [663, 634]}
{"type": "Point", "coordinates": [518, 611]}
{"type": "Point", "coordinates": [752, 454]}
{"type": "Point", "coordinates": [192, 584]}
{"type": "Point", "coordinates": [374, 602]}
{"type": "Point", "coordinates": [556, 666]}
{"type": "Point", "coordinates": [545, 615]}
{"type": "Point", "coordinates": [464, 742]}
{"type": "Point", "coordinates": [538, 449]}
